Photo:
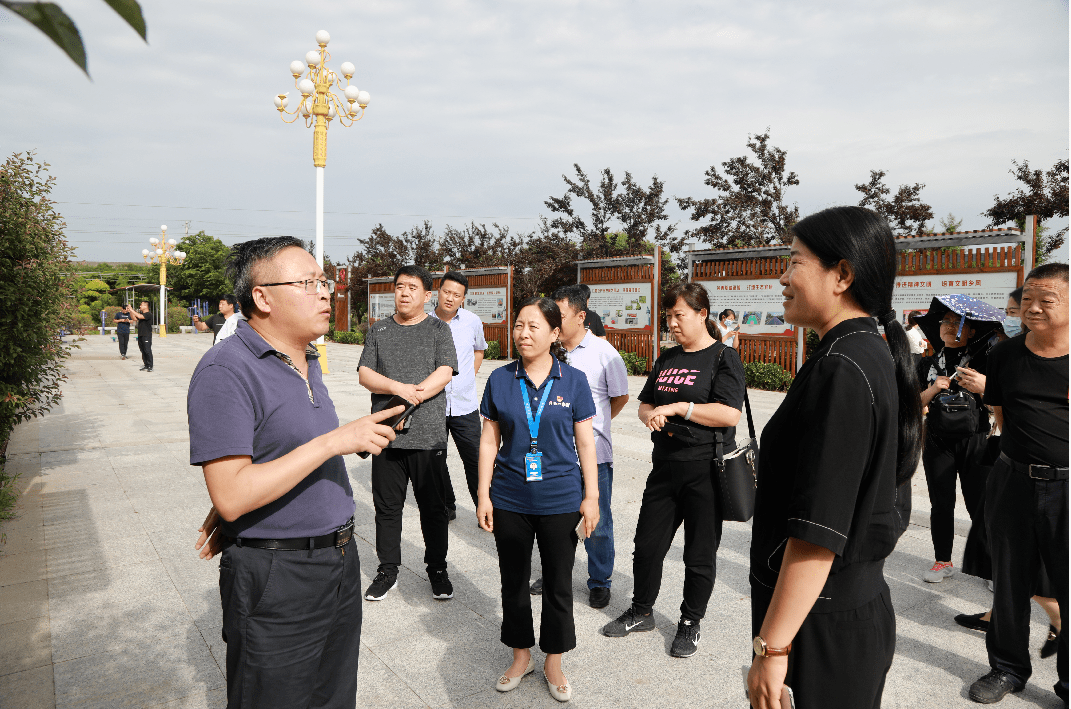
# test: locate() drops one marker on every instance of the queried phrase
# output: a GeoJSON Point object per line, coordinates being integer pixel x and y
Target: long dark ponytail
{"type": "Point", "coordinates": [553, 315]}
{"type": "Point", "coordinates": [865, 241]}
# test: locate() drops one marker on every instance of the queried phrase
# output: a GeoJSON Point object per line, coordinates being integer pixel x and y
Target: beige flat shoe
{"type": "Point", "coordinates": [507, 684]}
{"type": "Point", "coordinates": [562, 693]}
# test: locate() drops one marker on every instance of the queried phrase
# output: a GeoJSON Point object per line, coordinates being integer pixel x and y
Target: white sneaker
{"type": "Point", "coordinates": [940, 571]}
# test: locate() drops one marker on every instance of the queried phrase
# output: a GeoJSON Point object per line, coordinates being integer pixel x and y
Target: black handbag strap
{"type": "Point", "coordinates": [719, 444]}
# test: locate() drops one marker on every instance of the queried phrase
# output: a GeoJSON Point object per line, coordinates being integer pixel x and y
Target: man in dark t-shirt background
{"type": "Point", "coordinates": [592, 321]}
{"type": "Point", "coordinates": [144, 318]}
{"type": "Point", "coordinates": [122, 329]}
{"type": "Point", "coordinates": [411, 355]}
{"type": "Point", "coordinates": [1026, 494]}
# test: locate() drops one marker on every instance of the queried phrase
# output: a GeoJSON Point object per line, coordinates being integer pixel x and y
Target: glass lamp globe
{"type": "Point", "coordinates": [347, 69]}
{"type": "Point", "coordinates": [159, 252]}
{"type": "Point", "coordinates": [144, 252]}
{"type": "Point", "coordinates": [352, 92]}
{"type": "Point", "coordinates": [297, 68]}
{"type": "Point", "coordinates": [163, 227]}
{"type": "Point", "coordinates": [306, 87]}
{"type": "Point", "coordinates": [322, 37]}
{"type": "Point", "coordinates": [172, 242]}
{"type": "Point", "coordinates": [364, 98]}
{"type": "Point", "coordinates": [154, 241]}
{"type": "Point", "coordinates": [312, 58]}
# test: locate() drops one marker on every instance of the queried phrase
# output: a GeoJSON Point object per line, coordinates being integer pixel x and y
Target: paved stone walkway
{"type": "Point", "coordinates": [103, 602]}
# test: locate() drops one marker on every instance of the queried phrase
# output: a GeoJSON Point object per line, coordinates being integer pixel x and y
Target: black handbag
{"type": "Point", "coordinates": [736, 472]}
{"type": "Point", "coordinates": [954, 413]}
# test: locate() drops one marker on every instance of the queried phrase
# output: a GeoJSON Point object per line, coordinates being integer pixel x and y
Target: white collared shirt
{"type": "Point", "coordinates": [607, 377]}
{"type": "Point", "coordinates": [467, 330]}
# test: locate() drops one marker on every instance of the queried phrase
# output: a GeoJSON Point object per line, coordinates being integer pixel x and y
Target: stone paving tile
{"type": "Point", "coordinates": [29, 689]}
{"type": "Point", "coordinates": [24, 645]}
{"type": "Point", "coordinates": [23, 601]}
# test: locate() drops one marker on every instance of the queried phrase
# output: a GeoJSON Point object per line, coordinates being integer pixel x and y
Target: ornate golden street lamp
{"type": "Point", "coordinates": [319, 106]}
{"type": "Point", "coordinates": [163, 252]}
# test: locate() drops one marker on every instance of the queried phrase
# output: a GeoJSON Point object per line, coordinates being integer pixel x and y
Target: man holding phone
{"type": "Point", "coordinates": [144, 318]}
{"type": "Point", "coordinates": [410, 355]}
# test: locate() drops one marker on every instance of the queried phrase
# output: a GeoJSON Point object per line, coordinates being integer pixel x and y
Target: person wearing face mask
{"type": "Point", "coordinates": [727, 328]}
{"type": "Point", "coordinates": [1013, 324]}
{"type": "Point", "coordinates": [953, 449]}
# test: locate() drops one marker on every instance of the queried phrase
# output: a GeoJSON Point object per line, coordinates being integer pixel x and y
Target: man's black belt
{"type": "Point", "coordinates": [1037, 472]}
{"type": "Point", "coordinates": [339, 537]}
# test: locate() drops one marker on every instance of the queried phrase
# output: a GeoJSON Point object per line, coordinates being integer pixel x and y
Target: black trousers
{"type": "Point", "coordinates": [1027, 524]}
{"type": "Point", "coordinates": [124, 339]}
{"type": "Point", "coordinates": [944, 459]}
{"type": "Point", "coordinates": [839, 660]}
{"type": "Point", "coordinates": [145, 345]}
{"type": "Point", "coordinates": [465, 430]}
{"type": "Point", "coordinates": [677, 491]}
{"type": "Point", "coordinates": [292, 624]}
{"type": "Point", "coordinates": [391, 472]}
{"type": "Point", "coordinates": [557, 539]}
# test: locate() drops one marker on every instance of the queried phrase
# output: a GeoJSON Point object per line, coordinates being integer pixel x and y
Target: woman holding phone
{"type": "Point", "coordinates": [538, 483]}
{"type": "Point", "coordinates": [728, 328]}
{"type": "Point", "coordinates": [834, 455]}
{"type": "Point", "coordinates": [695, 392]}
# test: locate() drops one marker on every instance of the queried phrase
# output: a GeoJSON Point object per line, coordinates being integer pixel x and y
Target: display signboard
{"type": "Point", "coordinates": [622, 306]}
{"type": "Point", "coordinates": [916, 292]}
{"type": "Point", "coordinates": [757, 302]}
{"type": "Point", "coordinates": [490, 304]}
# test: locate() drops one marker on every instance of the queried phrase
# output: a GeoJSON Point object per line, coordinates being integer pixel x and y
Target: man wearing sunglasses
{"type": "Point", "coordinates": [264, 430]}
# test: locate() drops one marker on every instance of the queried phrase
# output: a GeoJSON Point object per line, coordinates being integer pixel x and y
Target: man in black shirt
{"type": "Point", "coordinates": [1026, 495]}
{"type": "Point", "coordinates": [592, 321]}
{"type": "Point", "coordinates": [215, 323]}
{"type": "Point", "coordinates": [122, 329]}
{"type": "Point", "coordinates": [144, 318]}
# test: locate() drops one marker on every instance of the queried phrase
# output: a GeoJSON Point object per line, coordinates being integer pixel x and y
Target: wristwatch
{"type": "Point", "coordinates": [763, 650]}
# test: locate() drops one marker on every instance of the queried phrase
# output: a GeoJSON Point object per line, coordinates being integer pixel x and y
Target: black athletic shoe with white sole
{"type": "Point", "coordinates": [441, 588]}
{"type": "Point", "coordinates": [380, 585]}
{"type": "Point", "coordinates": [629, 622]}
{"type": "Point", "coordinates": [686, 643]}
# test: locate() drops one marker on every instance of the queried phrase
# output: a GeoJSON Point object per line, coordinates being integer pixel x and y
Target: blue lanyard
{"type": "Point", "coordinates": [533, 424]}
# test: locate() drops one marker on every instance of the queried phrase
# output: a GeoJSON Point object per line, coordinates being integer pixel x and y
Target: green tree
{"type": "Point", "coordinates": [749, 207]}
{"type": "Point", "coordinates": [57, 26]}
{"type": "Point", "coordinates": [949, 224]}
{"type": "Point", "coordinates": [201, 274]}
{"type": "Point", "coordinates": [905, 212]}
{"type": "Point", "coordinates": [36, 287]}
{"type": "Point", "coordinates": [1045, 197]}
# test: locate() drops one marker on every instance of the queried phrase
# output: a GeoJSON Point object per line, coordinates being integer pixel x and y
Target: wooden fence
{"type": "Point", "coordinates": [775, 349]}
{"type": "Point", "coordinates": [635, 341]}
{"type": "Point", "coordinates": [935, 261]}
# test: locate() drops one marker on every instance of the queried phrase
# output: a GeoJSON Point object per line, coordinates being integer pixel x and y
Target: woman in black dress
{"type": "Point", "coordinates": [834, 455]}
{"type": "Point", "coordinates": [694, 393]}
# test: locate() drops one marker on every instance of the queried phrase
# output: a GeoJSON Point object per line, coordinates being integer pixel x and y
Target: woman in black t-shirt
{"type": "Point", "coordinates": [695, 392]}
{"type": "Point", "coordinates": [835, 454]}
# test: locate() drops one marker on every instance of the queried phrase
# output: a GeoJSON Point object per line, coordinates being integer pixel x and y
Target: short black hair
{"type": "Point", "coordinates": [455, 276]}
{"type": "Point", "coordinates": [586, 291]}
{"type": "Point", "coordinates": [1017, 295]}
{"type": "Point", "coordinates": [415, 272]}
{"type": "Point", "coordinates": [574, 295]}
{"type": "Point", "coordinates": [1048, 270]}
{"type": "Point", "coordinates": [245, 256]}
{"type": "Point", "coordinates": [230, 298]}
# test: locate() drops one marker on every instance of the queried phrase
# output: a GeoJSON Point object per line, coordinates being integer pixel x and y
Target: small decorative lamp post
{"type": "Point", "coordinates": [163, 252]}
{"type": "Point", "coordinates": [319, 106]}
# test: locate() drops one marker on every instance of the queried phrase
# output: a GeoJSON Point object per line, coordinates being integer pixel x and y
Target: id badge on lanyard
{"type": "Point", "coordinates": [533, 461]}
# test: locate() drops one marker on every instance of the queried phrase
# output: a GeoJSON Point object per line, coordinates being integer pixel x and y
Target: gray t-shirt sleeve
{"type": "Point", "coordinates": [370, 353]}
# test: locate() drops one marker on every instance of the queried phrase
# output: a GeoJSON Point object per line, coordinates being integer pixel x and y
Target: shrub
{"type": "Point", "coordinates": [344, 337]}
{"type": "Point", "coordinates": [176, 317]}
{"type": "Point", "coordinates": [633, 363]}
{"type": "Point", "coordinates": [768, 376]}
{"type": "Point", "coordinates": [493, 351]}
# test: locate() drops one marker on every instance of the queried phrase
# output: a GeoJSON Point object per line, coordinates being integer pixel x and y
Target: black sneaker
{"type": "Point", "coordinates": [451, 514]}
{"type": "Point", "coordinates": [441, 588]}
{"type": "Point", "coordinates": [991, 688]}
{"type": "Point", "coordinates": [1052, 643]}
{"type": "Point", "coordinates": [629, 622]}
{"type": "Point", "coordinates": [686, 643]}
{"type": "Point", "coordinates": [536, 589]}
{"type": "Point", "coordinates": [382, 583]}
{"type": "Point", "coordinates": [143, 369]}
{"type": "Point", "coordinates": [599, 597]}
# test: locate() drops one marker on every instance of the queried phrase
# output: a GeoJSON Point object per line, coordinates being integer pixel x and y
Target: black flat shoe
{"type": "Point", "coordinates": [1052, 643]}
{"type": "Point", "coordinates": [973, 622]}
{"type": "Point", "coordinates": [599, 597]}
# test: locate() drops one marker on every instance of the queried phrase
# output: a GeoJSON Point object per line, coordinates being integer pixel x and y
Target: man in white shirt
{"type": "Point", "coordinates": [225, 322]}
{"type": "Point", "coordinates": [608, 380]}
{"type": "Point", "coordinates": [462, 402]}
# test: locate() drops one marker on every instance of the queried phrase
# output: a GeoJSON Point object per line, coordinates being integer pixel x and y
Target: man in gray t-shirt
{"type": "Point", "coordinates": [410, 355]}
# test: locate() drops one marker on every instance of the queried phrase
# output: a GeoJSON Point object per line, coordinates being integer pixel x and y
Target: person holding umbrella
{"type": "Point", "coordinates": [957, 424]}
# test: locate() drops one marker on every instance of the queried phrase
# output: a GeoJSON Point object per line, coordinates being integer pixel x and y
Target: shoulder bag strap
{"type": "Point", "coordinates": [747, 404]}
{"type": "Point", "coordinates": [719, 446]}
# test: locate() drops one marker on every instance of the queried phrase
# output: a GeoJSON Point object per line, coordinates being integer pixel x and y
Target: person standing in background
{"type": "Point", "coordinates": [462, 404]}
{"type": "Point", "coordinates": [144, 318]}
{"type": "Point", "coordinates": [592, 321]}
{"type": "Point", "coordinates": [226, 319]}
{"type": "Point", "coordinates": [915, 340]}
{"type": "Point", "coordinates": [728, 328]}
{"type": "Point", "coordinates": [122, 328]}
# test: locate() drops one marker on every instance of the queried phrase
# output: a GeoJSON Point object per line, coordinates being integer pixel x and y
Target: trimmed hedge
{"type": "Point", "coordinates": [633, 363]}
{"type": "Point", "coordinates": [768, 376]}
{"type": "Point", "coordinates": [344, 337]}
{"type": "Point", "coordinates": [493, 351]}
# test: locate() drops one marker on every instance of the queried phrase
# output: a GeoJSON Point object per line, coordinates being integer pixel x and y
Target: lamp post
{"type": "Point", "coordinates": [163, 252]}
{"type": "Point", "coordinates": [319, 106]}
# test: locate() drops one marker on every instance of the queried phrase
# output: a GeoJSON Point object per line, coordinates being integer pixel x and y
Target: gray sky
{"type": "Point", "coordinates": [478, 108]}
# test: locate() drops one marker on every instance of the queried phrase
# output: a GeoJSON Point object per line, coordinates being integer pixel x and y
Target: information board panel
{"type": "Point", "coordinates": [757, 302]}
{"type": "Point", "coordinates": [490, 304]}
{"type": "Point", "coordinates": [624, 306]}
{"type": "Point", "coordinates": [915, 292]}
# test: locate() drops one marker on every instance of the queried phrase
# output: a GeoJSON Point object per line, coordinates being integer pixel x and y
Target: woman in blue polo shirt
{"type": "Point", "coordinates": [538, 415]}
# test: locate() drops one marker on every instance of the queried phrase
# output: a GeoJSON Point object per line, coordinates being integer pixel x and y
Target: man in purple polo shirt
{"type": "Point", "coordinates": [608, 381]}
{"type": "Point", "coordinates": [264, 429]}
{"type": "Point", "coordinates": [462, 416]}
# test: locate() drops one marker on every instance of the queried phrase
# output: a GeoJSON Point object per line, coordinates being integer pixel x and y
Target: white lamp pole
{"type": "Point", "coordinates": [319, 106]}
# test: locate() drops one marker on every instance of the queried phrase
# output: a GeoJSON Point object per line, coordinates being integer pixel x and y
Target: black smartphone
{"type": "Point", "coordinates": [395, 421]}
{"type": "Point", "coordinates": [681, 433]}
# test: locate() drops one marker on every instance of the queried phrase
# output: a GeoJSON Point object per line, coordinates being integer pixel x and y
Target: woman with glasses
{"type": "Point", "coordinates": [954, 444]}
